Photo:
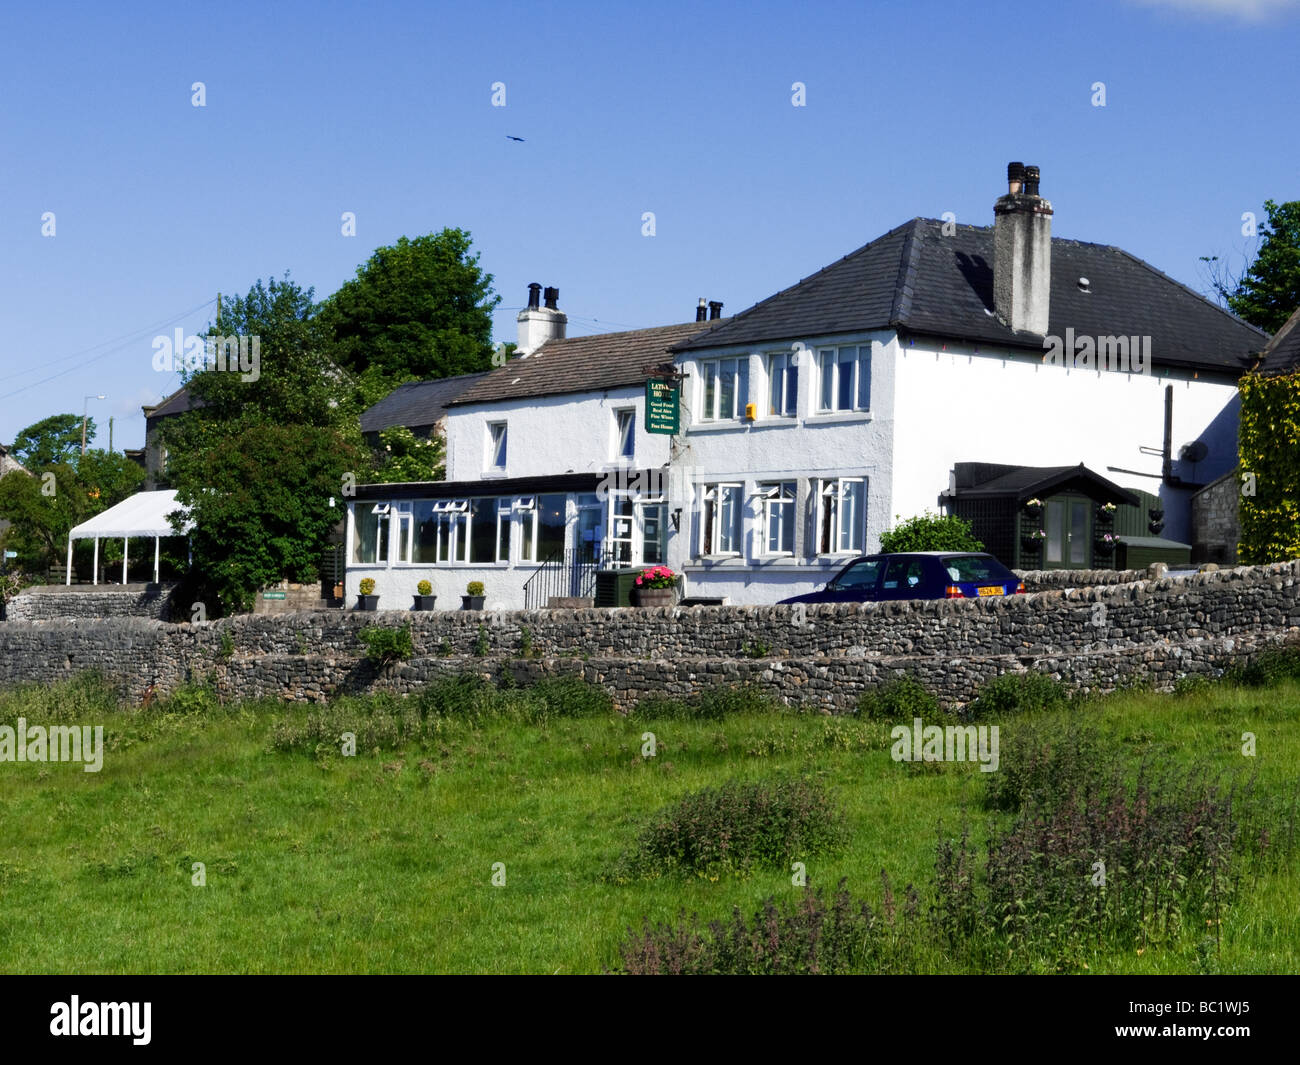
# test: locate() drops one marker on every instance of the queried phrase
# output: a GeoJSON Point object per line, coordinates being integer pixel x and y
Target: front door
{"type": "Point", "coordinates": [1069, 533]}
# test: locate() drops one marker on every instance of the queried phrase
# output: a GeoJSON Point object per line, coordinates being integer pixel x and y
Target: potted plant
{"type": "Point", "coordinates": [475, 594]}
{"type": "Point", "coordinates": [1106, 513]}
{"type": "Point", "coordinates": [367, 600]}
{"type": "Point", "coordinates": [656, 586]}
{"type": "Point", "coordinates": [1105, 544]}
{"type": "Point", "coordinates": [424, 599]}
{"type": "Point", "coordinates": [1033, 508]}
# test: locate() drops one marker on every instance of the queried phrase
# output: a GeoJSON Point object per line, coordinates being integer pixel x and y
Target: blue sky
{"type": "Point", "coordinates": [684, 110]}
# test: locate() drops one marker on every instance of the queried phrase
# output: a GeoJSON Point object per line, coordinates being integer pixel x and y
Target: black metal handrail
{"type": "Point", "coordinates": [567, 572]}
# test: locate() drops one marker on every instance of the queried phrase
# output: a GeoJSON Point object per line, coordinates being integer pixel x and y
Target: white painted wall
{"type": "Point", "coordinates": [549, 435]}
{"type": "Point", "coordinates": [809, 445]}
{"type": "Point", "coordinates": [955, 406]}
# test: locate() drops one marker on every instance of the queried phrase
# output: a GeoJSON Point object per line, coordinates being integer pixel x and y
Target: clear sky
{"type": "Point", "coordinates": [684, 110]}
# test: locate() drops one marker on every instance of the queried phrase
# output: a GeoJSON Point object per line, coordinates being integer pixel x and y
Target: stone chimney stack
{"type": "Point", "coordinates": [1022, 253]}
{"type": "Point", "coordinates": [537, 323]}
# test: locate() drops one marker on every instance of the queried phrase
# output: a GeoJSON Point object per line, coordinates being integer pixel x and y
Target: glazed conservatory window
{"type": "Point", "coordinates": [370, 534]}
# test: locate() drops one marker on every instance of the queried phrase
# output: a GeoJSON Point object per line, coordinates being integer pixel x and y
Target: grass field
{"type": "Point", "coordinates": [384, 862]}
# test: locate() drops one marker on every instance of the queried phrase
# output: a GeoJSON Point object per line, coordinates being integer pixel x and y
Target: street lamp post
{"type": "Point", "coordinates": [84, 414]}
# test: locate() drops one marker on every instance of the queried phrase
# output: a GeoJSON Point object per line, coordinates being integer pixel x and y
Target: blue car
{"type": "Point", "coordinates": [917, 575]}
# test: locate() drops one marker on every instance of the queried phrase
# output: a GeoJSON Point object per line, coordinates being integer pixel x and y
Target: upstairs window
{"type": "Point", "coordinates": [726, 388]}
{"type": "Point", "coordinates": [625, 433]}
{"type": "Point", "coordinates": [783, 385]}
{"type": "Point", "coordinates": [845, 378]}
{"type": "Point", "coordinates": [497, 445]}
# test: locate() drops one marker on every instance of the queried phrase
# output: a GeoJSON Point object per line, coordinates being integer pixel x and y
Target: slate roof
{"type": "Point", "coordinates": [584, 364]}
{"type": "Point", "coordinates": [915, 280]}
{"type": "Point", "coordinates": [416, 404]}
{"type": "Point", "coordinates": [976, 479]}
{"type": "Point", "coordinates": [177, 403]}
{"type": "Point", "coordinates": [1283, 352]}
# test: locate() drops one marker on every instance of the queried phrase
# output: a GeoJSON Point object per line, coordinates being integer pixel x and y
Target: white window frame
{"type": "Point", "coordinates": [783, 368]}
{"type": "Point", "coordinates": [498, 444]}
{"type": "Point", "coordinates": [778, 503]}
{"type": "Point", "coordinates": [712, 533]}
{"type": "Point", "coordinates": [830, 366]}
{"type": "Point", "coordinates": [505, 513]}
{"type": "Point", "coordinates": [624, 434]}
{"type": "Point", "coordinates": [403, 528]}
{"type": "Point", "coordinates": [526, 508]}
{"type": "Point", "coordinates": [711, 407]}
{"type": "Point", "coordinates": [830, 509]}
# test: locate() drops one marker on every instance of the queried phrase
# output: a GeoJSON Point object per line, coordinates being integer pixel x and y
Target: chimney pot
{"type": "Point", "coordinates": [534, 295]}
{"type": "Point", "coordinates": [1015, 177]}
{"type": "Point", "coordinates": [702, 311]}
{"type": "Point", "coordinates": [1031, 180]}
{"type": "Point", "coordinates": [552, 297]}
{"type": "Point", "coordinates": [715, 309]}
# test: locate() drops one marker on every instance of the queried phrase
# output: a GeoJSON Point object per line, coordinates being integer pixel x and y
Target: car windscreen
{"type": "Point", "coordinates": [856, 574]}
{"type": "Point", "coordinates": [975, 569]}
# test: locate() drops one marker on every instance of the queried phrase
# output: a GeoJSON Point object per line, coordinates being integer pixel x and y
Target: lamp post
{"type": "Point", "coordinates": [84, 407]}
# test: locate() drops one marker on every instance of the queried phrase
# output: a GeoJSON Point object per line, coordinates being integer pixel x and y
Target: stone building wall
{"type": "Point", "coordinates": [1216, 528]}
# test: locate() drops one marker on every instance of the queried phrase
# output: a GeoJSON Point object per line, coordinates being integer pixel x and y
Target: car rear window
{"type": "Point", "coordinates": [905, 573]}
{"type": "Point", "coordinates": [965, 569]}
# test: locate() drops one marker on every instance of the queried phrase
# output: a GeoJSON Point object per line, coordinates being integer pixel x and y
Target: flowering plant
{"type": "Point", "coordinates": [656, 577]}
{"type": "Point", "coordinates": [1034, 502]}
{"type": "Point", "coordinates": [1109, 508]}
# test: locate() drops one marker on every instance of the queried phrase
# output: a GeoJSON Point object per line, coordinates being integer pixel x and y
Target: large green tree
{"type": "Point", "coordinates": [53, 439]}
{"type": "Point", "coordinates": [260, 500]}
{"type": "Point", "coordinates": [417, 309]}
{"type": "Point", "coordinates": [1268, 292]}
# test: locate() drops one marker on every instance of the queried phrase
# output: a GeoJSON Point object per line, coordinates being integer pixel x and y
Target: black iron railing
{"type": "Point", "coordinates": [570, 572]}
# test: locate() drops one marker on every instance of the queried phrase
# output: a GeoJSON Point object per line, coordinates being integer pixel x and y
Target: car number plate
{"type": "Point", "coordinates": [997, 589]}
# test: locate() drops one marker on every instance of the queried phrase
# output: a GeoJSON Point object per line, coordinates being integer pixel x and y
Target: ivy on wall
{"type": "Point", "coordinates": [1269, 442]}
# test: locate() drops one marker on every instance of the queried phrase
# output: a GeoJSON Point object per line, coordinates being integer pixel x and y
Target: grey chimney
{"type": "Point", "coordinates": [702, 311]}
{"type": "Point", "coordinates": [1022, 253]}
{"type": "Point", "coordinates": [538, 324]}
{"type": "Point", "coordinates": [715, 309]}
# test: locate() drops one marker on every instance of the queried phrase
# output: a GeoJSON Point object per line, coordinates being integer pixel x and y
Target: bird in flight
{"type": "Point", "coordinates": [508, 137]}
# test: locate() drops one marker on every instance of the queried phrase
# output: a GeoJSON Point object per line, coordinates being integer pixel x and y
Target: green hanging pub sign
{"type": "Point", "coordinates": [662, 406]}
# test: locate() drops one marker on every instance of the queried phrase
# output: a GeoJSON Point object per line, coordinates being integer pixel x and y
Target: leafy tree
{"type": "Point", "coordinates": [1268, 292]}
{"type": "Point", "coordinates": [291, 381]}
{"type": "Point", "coordinates": [403, 456]}
{"type": "Point", "coordinates": [51, 440]}
{"type": "Point", "coordinates": [418, 309]}
{"type": "Point", "coordinates": [45, 507]}
{"type": "Point", "coordinates": [260, 503]}
{"type": "Point", "coordinates": [930, 532]}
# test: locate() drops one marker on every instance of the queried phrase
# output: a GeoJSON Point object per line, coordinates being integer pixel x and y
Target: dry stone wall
{"type": "Point", "coordinates": [1093, 638]}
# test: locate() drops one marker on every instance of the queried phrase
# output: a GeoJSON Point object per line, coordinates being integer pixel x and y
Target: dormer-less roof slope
{"type": "Point", "coordinates": [916, 280]}
{"type": "Point", "coordinates": [583, 364]}
{"type": "Point", "coordinates": [179, 402]}
{"type": "Point", "coordinates": [416, 404]}
{"type": "Point", "coordinates": [1283, 352]}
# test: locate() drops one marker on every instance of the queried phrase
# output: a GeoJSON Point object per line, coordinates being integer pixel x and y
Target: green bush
{"type": "Point", "coordinates": [1041, 758]}
{"type": "Point", "coordinates": [735, 827]}
{"type": "Point", "coordinates": [898, 700]}
{"type": "Point", "coordinates": [384, 645]}
{"type": "Point", "coordinates": [709, 704]}
{"type": "Point", "coordinates": [930, 532]}
{"type": "Point", "coordinates": [367, 586]}
{"type": "Point", "coordinates": [474, 588]}
{"type": "Point", "coordinates": [1268, 667]}
{"type": "Point", "coordinates": [1016, 693]}
{"type": "Point", "coordinates": [424, 588]}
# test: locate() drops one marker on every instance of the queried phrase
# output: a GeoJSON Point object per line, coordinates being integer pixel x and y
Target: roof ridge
{"type": "Point", "coordinates": [903, 283]}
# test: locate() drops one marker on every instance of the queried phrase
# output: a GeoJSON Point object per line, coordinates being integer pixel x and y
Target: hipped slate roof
{"type": "Point", "coordinates": [916, 280]}
{"type": "Point", "coordinates": [1283, 352]}
{"type": "Point", "coordinates": [177, 403]}
{"type": "Point", "coordinates": [416, 404]}
{"type": "Point", "coordinates": [584, 364]}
